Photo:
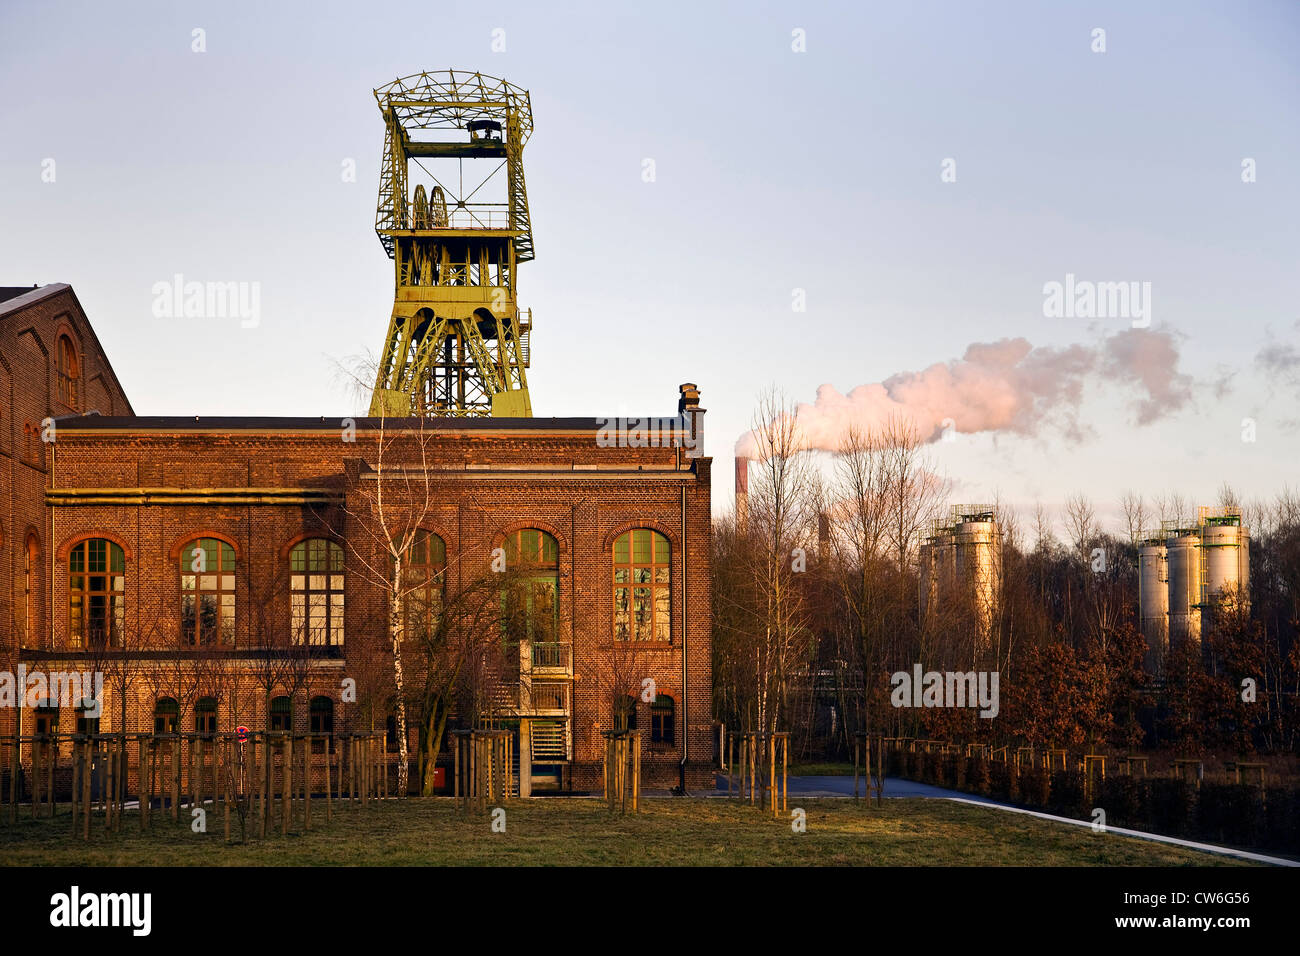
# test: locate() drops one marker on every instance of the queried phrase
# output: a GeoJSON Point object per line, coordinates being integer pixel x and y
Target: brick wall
{"type": "Point", "coordinates": [484, 485]}
{"type": "Point", "coordinates": [152, 485]}
{"type": "Point", "coordinates": [30, 328]}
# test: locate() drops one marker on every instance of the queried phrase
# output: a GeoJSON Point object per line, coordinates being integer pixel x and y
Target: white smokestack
{"type": "Point", "coordinates": [742, 492]}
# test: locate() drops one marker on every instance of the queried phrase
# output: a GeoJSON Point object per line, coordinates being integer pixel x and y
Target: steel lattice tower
{"type": "Point", "coordinates": [457, 342]}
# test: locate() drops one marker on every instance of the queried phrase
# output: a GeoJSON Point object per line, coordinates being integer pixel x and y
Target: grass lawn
{"type": "Point", "coordinates": [582, 832]}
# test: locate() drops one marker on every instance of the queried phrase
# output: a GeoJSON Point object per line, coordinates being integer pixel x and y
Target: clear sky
{"type": "Point", "coordinates": [775, 170]}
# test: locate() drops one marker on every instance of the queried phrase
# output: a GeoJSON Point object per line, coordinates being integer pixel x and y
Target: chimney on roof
{"type": "Point", "coordinates": [688, 407]}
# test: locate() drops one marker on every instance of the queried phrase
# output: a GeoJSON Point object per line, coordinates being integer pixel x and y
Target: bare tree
{"type": "Point", "coordinates": [1228, 498]}
{"type": "Point", "coordinates": [778, 504]}
{"type": "Point", "coordinates": [914, 492]}
{"type": "Point", "coordinates": [1080, 524]}
{"type": "Point", "coordinates": [389, 500]}
{"type": "Point", "coordinates": [1135, 516]}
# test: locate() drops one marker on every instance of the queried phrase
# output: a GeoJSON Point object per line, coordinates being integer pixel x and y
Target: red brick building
{"type": "Point", "coordinates": [225, 571]}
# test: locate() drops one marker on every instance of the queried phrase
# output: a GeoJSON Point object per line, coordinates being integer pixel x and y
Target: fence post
{"type": "Point", "coordinates": [225, 787]}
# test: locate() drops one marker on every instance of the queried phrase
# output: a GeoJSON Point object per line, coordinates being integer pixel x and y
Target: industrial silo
{"type": "Point", "coordinates": [1225, 554]}
{"type": "Point", "coordinates": [1153, 599]}
{"type": "Point", "coordinates": [1183, 556]}
{"type": "Point", "coordinates": [934, 569]}
{"type": "Point", "coordinates": [978, 560]}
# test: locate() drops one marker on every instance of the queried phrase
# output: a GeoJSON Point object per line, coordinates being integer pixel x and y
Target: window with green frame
{"type": "Point", "coordinates": [207, 567]}
{"type": "Point", "coordinates": [424, 580]}
{"type": "Point", "coordinates": [316, 592]}
{"type": "Point", "coordinates": [96, 594]}
{"type": "Point", "coordinates": [642, 586]}
{"type": "Point", "coordinates": [532, 604]}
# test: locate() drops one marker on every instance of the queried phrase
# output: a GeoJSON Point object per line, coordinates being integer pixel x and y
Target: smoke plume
{"type": "Point", "coordinates": [1006, 386]}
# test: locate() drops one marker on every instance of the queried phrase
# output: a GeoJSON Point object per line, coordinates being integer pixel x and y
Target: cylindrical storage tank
{"type": "Point", "coordinates": [944, 561]}
{"type": "Point", "coordinates": [977, 566]}
{"type": "Point", "coordinates": [1221, 552]}
{"type": "Point", "coordinates": [1183, 553]}
{"type": "Point", "coordinates": [1153, 600]}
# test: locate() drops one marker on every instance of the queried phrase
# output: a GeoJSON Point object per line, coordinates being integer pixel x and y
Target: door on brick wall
{"type": "Point", "coordinates": [550, 749]}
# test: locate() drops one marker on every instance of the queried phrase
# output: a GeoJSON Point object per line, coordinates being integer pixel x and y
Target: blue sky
{"type": "Point", "coordinates": [775, 170]}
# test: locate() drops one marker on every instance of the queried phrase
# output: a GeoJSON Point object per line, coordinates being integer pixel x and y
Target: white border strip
{"type": "Point", "coordinates": [1203, 847]}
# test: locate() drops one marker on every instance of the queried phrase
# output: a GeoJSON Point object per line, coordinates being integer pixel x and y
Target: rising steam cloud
{"type": "Point", "coordinates": [1005, 386]}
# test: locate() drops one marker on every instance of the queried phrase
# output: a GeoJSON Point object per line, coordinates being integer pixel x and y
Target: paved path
{"type": "Point", "coordinates": [843, 787]}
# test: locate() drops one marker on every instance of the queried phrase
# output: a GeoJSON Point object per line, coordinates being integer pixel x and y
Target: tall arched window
{"type": "Point", "coordinates": [316, 592]}
{"type": "Point", "coordinates": [31, 562]}
{"type": "Point", "coordinates": [642, 583]}
{"type": "Point", "coordinates": [207, 567]}
{"type": "Point", "coordinates": [425, 580]}
{"type": "Point", "coordinates": [533, 605]}
{"type": "Point", "coordinates": [165, 713]}
{"type": "Point", "coordinates": [69, 372]}
{"type": "Point", "coordinates": [96, 594]}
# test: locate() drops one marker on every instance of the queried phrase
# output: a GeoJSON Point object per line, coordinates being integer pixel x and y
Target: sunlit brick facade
{"type": "Point", "coordinates": [258, 491]}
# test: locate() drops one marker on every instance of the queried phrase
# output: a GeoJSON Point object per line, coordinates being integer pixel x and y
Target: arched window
{"type": "Point", "coordinates": [424, 577]}
{"type": "Point", "coordinates": [31, 561]}
{"type": "Point", "coordinates": [207, 568]}
{"type": "Point", "coordinates": [316, 592]}
{"type": "Point", "coordinates": [96, 594]}
{"type": "Point", "coordinates": [205, 716]}
{"type": "Point", "coordinates": [281, 714]}
{"type": "Point", "coordinates": [165, 713]}
{"type": "Point", "coordinates": [641, 586]}
{"type": "Point", "coordinates": [532, 607]}
{"type": "Point", "coordinates": [69, 372]}
{"type": "Point", "coordinates": [663, 719]}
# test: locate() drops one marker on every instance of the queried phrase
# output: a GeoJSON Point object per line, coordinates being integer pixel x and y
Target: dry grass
{"type": "Point", "coordinates": [578, 832]}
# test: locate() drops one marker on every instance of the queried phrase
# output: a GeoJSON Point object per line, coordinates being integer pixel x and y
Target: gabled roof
{"type": "Point", "coordinates": [29, 297]}
{"type": "Point", "coordinates": [17, 298]}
